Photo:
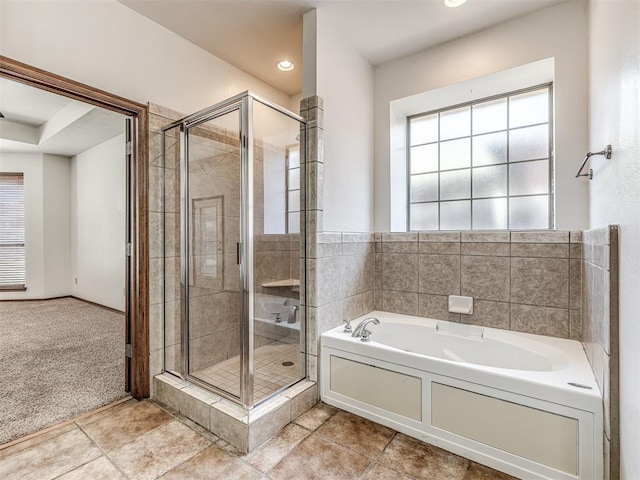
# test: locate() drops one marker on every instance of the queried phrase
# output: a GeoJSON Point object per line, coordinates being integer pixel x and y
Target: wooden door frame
{"type": "Point", "coordinates": [139, 276]}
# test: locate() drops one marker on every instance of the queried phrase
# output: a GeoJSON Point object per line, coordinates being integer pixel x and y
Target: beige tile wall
{"type": "Point", "coordinates": [523, 281]}
{"type": "Point", "coordinates": [342, 268]}
{"type": "Point", "coordinates": [600, 339]}
{"type": "Point", "coordinates": [277, 257]}
{"type": "Point", "coordinates": [163, 296]}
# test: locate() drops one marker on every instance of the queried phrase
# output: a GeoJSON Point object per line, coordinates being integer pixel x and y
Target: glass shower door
{"type": "Point", "coordinates": [212, 277]}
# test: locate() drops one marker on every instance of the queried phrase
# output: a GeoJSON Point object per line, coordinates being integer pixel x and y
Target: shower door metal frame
{"type": "Point", "coordinates": [246, 252]}
{"type": "Point", "coordinates": [243, 103]}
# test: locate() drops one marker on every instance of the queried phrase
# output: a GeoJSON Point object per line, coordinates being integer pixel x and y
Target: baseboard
{"type": "Point", "coordinates": [115, 310]}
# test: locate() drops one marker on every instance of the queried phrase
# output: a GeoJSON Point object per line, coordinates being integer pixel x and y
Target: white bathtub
{"type": "Point", "coordinates": [524, 404]}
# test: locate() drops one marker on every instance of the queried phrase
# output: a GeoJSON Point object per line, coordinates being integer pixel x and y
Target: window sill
{"type": "Point", "coordinates": [13, 288]}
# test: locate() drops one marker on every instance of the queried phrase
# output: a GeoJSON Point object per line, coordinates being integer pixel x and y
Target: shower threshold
{"type": "Point", "coordinates": [242, 428]}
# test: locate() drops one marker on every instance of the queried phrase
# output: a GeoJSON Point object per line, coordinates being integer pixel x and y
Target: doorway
{"type": "Point", "coordinates": [92, 228]}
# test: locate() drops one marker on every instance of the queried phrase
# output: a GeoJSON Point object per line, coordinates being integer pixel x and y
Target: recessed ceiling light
{"type": "Point", "coordinates": [454, 3]}
{"type": "Point", "coordinates": [285, 66]}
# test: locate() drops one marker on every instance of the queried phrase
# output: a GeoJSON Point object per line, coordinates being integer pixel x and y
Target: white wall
{"type": "Point", "coordinates": [57, 224]}
{"type": "Point", "coordinates": [614, 192]}
{"type": "Point", "coordinates": [98, 213]}
{"type": "Point", "coordinates": [74, 223]}
{"type": "Point", "coordinates": [344, 80]}
{"type": "Point", "coordinates": [107, 45]}
{"type": "Point", "coordinates": [559, 32]}
{"type": "Point", "coordinates": [46, 199]}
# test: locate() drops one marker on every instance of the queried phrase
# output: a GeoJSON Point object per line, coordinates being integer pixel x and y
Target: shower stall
{"type": "Point", "coordinates": [234, 248]}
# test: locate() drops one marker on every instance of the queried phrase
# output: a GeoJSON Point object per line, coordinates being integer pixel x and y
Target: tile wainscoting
{"type": "Point", "coordinates": [523, 281]}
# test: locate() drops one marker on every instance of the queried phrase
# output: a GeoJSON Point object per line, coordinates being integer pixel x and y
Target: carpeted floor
{"type": "Point", "coordinates": [59, 359]}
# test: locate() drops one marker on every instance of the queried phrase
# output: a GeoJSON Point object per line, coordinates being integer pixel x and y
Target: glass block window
{"type": "Point", "coordinates": [485, 165]}
{"type": "Point", "coordinates": [293, 189]}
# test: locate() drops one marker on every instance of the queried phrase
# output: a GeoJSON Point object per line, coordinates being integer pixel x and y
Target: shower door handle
{"type": "Point", "coordinates": [238, 253]}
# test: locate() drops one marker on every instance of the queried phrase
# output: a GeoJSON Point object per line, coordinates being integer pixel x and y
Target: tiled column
{"type": "Point", "coordinates": [340, 266]}
{"type": "Point", "coordinates": [311, 109]}
{"type": "Point", "coordinates": [164, 263]}
{"type": "Point", "coordinates": [600, 331]}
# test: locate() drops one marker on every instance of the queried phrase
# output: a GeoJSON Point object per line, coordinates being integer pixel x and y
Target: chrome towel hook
{"type": "Point", "coordinates": [607, 154]}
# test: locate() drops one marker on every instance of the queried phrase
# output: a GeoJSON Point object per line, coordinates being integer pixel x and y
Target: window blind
{"type": "Point", "coordinates": [12, 254]}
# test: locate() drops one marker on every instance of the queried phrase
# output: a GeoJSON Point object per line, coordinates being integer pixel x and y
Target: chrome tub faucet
{"type": "Point", "coordinates": [361, 330]}
{"type": "Point", "coordinates": [292, 313]}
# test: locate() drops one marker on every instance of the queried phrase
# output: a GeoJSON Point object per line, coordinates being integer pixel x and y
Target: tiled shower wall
{"type": "Point", "coordinates": [277, 257]}
{"type": "Point", "coordinates": [600, 339]}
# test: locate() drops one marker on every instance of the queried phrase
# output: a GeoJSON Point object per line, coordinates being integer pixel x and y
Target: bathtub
{"type": "Point", "coordinates": [527, 405]}
{"type": "Point", "coordinates": [268, 329]}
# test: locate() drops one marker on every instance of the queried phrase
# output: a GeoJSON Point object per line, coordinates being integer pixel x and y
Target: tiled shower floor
{"type": "Point", "coordinates": [271, 366]}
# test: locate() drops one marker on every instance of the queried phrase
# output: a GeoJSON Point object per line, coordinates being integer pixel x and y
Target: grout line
{"type": "Point", "coordinates": [510, 281]}
{"type": "Point", "coordinates": [367, 470]}
{"type": "Point", "coordinates": [104, 453]}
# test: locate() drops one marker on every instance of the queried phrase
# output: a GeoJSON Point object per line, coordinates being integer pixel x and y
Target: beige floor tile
{"type": "Point", "coordinates": [315, 417]}
{"type": "Point", "coordinates": [50, 458]}
{"type": "Point", "coordinates": [35, 440]}
{"type": "Point", "coordinates": [480, 472]}
{"type": "Point", "coordinates": [107, 412]}
{"type": "Point", "coordinates": [318, 458]}
{"type": "Point", "coordinates": [158, 451]}
{"type": "Point", "coordinates": [98, 469]}
{"type": "Point", "coordinates": [125, 424]}
{"type": "Point", "coordinates": [357, 433]}
{"type": "Point", "coordinates": [213, 463]}
{"type": "Point", "coordinates": [269, 454]}
{"type": "Point", "coordinates": [379, 472]}
{"type": "Point", "coordinates": [423, 461]}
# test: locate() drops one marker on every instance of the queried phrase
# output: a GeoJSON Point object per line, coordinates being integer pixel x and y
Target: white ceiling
{"type": "Point", "coordinates": [254, 35]}
{"type": "Point", "coordinates": [37, 121]}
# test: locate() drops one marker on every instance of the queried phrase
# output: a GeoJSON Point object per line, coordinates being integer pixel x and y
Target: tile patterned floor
{"type": "Point", "coordinates": [143, 440]}
{"type": "Point", "coordinates": [270, 373]}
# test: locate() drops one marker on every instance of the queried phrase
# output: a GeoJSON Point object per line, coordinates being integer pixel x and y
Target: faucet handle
{"type": "Point", "coordinates": [277, 314]}
{"type": "Point", "coordinates": [347, 327]}
{"type": "Point", "coordinates": [366, 335]}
